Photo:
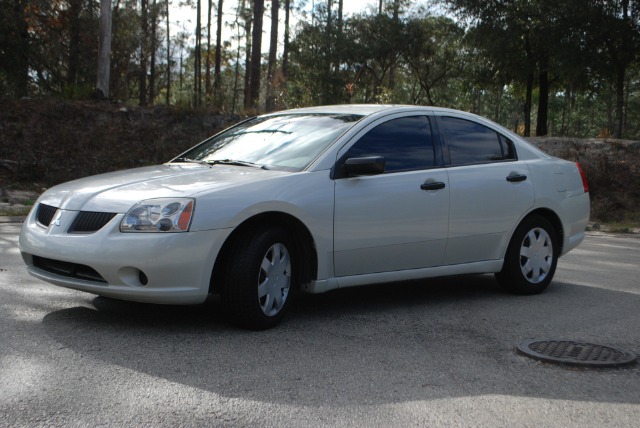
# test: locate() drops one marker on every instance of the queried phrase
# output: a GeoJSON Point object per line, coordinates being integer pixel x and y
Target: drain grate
{"type": "Point", "coordinates": [575, 353]}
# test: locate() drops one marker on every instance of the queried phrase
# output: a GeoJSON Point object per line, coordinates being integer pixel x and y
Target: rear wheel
{"type": "Point", "coordinates": [531, 258]}
{"type": "Point", "coordinates": [259, 278]}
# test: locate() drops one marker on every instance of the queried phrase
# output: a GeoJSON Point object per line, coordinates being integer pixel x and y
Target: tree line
{"type": "Point", "coordinates": [561, 67]}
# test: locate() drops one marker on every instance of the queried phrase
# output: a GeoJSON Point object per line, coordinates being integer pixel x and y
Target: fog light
{"type": "Point", "coordinates": [143, 278]}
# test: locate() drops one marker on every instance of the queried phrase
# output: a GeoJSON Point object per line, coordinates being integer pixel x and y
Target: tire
{"type": "Point", "coordinates": [259, 278]}
{"type": "Point", "coordinates": [532, 257]}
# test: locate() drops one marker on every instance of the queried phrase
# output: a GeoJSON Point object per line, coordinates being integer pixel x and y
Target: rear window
{"type": "Point", "coordinates": [470, 142]}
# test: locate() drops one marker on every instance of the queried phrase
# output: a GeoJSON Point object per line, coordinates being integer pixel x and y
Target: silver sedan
{"type": "Point", "coordinates": [312, 200]}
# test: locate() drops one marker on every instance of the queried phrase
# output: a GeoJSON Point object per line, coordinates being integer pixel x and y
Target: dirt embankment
{"type": "Point", "coordinates": [49, 142]}
{"type": "Point", "coordinates": [612, 168]}
{"type": "Point", "coordinates": [45, 142]}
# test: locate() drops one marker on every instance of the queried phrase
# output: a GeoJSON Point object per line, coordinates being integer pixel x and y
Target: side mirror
{"type": "Point", "coordinates": [370, 165]}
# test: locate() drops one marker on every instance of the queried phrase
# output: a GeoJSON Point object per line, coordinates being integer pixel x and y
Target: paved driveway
{"type": "Point", "coordinates": [428, 353]}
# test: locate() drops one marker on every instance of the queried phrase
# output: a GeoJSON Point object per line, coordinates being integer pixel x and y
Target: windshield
{"type": "Point", "coordinates": [288, 141]}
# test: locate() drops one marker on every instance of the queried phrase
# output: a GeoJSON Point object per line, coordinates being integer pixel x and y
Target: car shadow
{"type": "Point", "coordinates": [421, 340]}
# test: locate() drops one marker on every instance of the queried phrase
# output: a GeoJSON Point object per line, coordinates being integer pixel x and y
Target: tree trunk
{"type": "Point", "coordinates": [75, 7]}
{"type": "Point", "coordinates": [340, 20]}
{"type": "Point", "coordinates": [168, 93]}
{"type": "Point", "coordinates": [527, 105]}
{"type": "Point", "coordinates": [236, 77]}
{"type": "Point", "coordinates": [181, 66]}
{"type": "Point", "coordinates": [326, 97]}
{"type": "Point", "coordinates": [22, 51]}
{"type": "Point", "coordinates": [625, 107]}
{"type": "Point", "coordinates": [143, 52]}
{"type": "Point", "coordinates": [273, 50]}
{"type": "Point", "coordinates": [566, 110]}
{"type": "Point", "coordinates": [217, 82]}
{"type": "Point", "coordinates": [285, 50]}
{"type": "Point", "coordinates": [197, 69]}
{"type": "Point", "coordinates": [119, 84]}
{"type": "Point", "coordinates": [256, 54]}
{"type": "Point", "coordinates": [152, 65]}
{"type": "Point", "coordinates": [529, 89]}
{"type": "Point", "coordinates": [498, 106]}
{"type": "Point", "coordinates": [620, 75]}
{"type": "Point", "coordinates": [543, 101]}
{"type": "Point", "coordinates": [104, 50]}
{"type": "Point", "coordinates": [207, 72]}
{"type": "Point", "coordinates": [247, 59]}
{"type": "Point", "coordinates": [396, 25]}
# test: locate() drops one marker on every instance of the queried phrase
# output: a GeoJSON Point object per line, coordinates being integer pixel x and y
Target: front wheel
{"type": "Point", "coordinates": [531, 258]}
{"type": "Point", "coordinates": [259, 278]}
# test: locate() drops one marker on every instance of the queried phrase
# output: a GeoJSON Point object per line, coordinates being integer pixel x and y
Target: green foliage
{"type": "Point", "coordinates": [579, 50]}
{"type": "Point", "coordinates": [77, 92]}
{"type": "Point", "coordinates": [572, 66]}
{"type": "Point", "coordinates": [433, 53]}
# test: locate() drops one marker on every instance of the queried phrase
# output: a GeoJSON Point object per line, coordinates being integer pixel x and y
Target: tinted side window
{"type": "Point", "coordinates": [470, 142]}
{"type": "Point", "coordinates": [405, 144]}
{"type": "Point", "coordinates": [508, 153]}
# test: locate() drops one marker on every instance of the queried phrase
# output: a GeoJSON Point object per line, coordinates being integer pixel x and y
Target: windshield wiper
{"type": "Point", "coordinates": [187, 160]}
{"type": "Point", "coordinates": [235, 162]}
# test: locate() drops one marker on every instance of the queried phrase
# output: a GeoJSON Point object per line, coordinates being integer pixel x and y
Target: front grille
{"type": "Point", "coordinates": [71, 270]}
{"type": "Point", "coordinates": [89, 221]}
{"type": "Point", "coordinates": [45, 214]}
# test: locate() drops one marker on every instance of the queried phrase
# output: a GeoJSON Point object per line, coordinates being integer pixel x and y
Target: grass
{"type": "Point", "coordinates": [15, 210]}
{"type": "Point", "coordinates": [623, 227]}
{"type": "Point", "coordinates": [18, 210]}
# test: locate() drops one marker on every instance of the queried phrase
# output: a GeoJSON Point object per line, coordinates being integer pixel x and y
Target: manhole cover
{"type": "Point", "coordinates": [574, 353]}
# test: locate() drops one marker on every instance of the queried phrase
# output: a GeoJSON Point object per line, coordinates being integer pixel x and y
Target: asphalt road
{"type": "Point", "coordinates": [428, 353]}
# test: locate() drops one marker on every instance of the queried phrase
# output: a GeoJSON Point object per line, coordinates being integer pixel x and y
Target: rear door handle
{"type": "Point", "coordinates": [433, 186]}
{"type": "Point", "coordinates": [516, 178]}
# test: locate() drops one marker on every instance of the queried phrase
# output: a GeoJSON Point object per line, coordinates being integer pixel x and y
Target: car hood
{"type": "Point", "coordinates": [119, 191]}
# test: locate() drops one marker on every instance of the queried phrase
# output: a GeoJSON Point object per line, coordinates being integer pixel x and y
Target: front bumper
{"type": "Point", "coordinates": [176, 267]}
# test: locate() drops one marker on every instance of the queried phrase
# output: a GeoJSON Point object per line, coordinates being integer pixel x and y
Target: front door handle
{"type": "Point", "coordinates": [515, 178]}
{"type": "Point", "coordinates": [432, 186]}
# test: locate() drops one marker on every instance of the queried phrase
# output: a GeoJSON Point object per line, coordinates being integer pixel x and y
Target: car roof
{"type": "Point", "coordinates": [369, 109]}
{"type": "Point", "coordinates": [359, 109]}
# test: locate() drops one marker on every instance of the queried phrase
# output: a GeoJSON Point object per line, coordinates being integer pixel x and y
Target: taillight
{"type": "Point", "coordinates": [585, 185]}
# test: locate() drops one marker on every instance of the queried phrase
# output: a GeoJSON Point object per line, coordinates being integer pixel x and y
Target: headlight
{"type": "Point", "coordinates": [159, 215]}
